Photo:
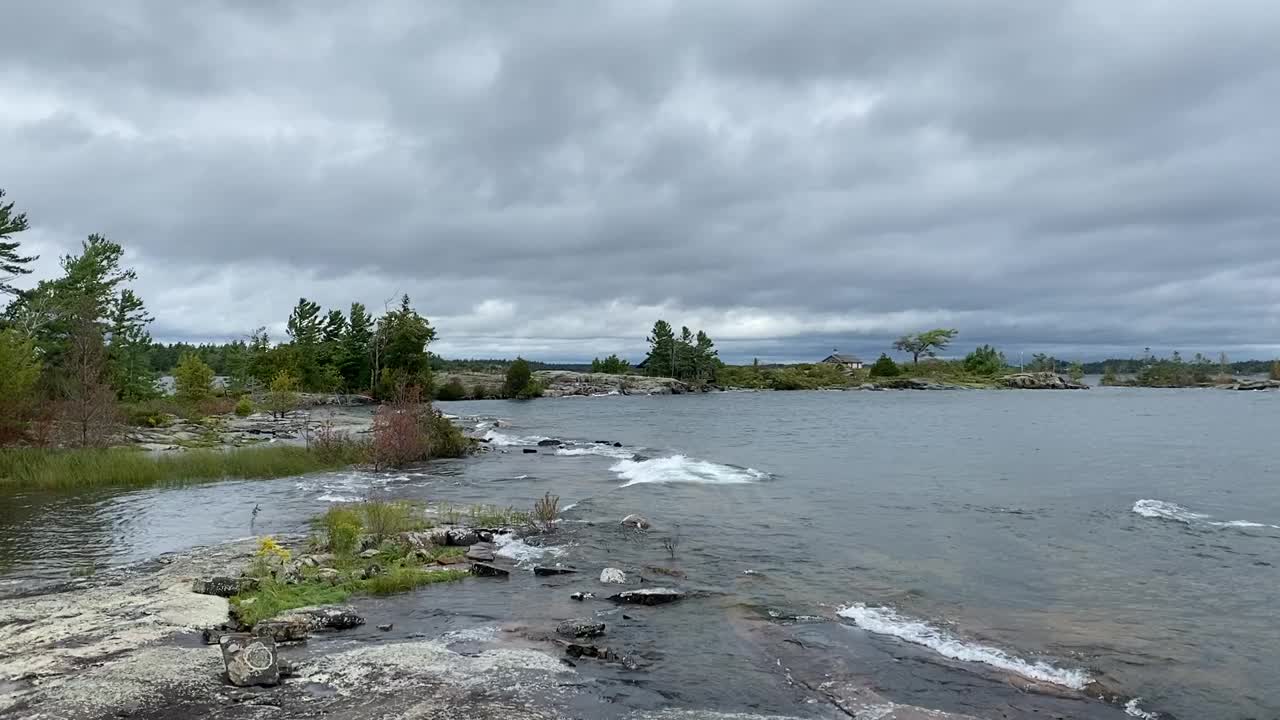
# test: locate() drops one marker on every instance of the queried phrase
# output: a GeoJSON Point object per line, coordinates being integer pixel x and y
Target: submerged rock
{"type": "Point", "coordinates": [294, 625]}
{"type": "Point", "coordinates": [482, 552]}
{"type": "Point", "coordinates": [224, 586]}
{"type": "Point", "coordinates": [613, 576]}
{"type": "Point", "coordinates": [580, 628]}
{"type": "Point", "coordinates": [648, 596]}
{"type": "Point", "coordinates": [557, 570]}
{"type": "Point", "coordinates": [250, 660]}
{"type": "Point", "coordinates": [480, 569]}
{"type": "Point", "coordinates": [636, 521]}
{"type": "Point", "coordinates": [550, 443]}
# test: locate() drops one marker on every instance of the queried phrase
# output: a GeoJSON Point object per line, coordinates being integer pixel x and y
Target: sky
{"type": "Point", "coordinates": [1086, 178]}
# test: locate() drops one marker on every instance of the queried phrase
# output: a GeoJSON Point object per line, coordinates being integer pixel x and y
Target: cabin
{"type": "Point", "coordinates": [848, 362]}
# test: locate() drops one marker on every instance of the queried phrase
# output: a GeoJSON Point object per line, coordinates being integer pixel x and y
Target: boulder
{"type": "Point", "coordinates": [549, 443]}
{"type": "Point", "coordinates": [1040, 381]}
{"type": "Point", "coordinates": [529, 451]}
{"type": "Point", "coordinates": [480, 569]}
{"type": "Point", "coordinates": [250, 660]}
{"type": "Point", "coordinates": [224, 586]}
{"type": "Point", "coordinates": [369, 554]}
{"type": "Point", "coordinates": [482, 552]}
{"type": "Point", "coordinates": [580, 628]}
{"type": "Point", "coordinates": [636, 521]}
{"type": "Point", "coordinates": [329, 575]}
{"type": "Point", "coordinates": [321, 560]}
{"type": "Point", "coordinates": [648, 596]}
{"type": "Point", "coordinates": [613, 576]}
{"type": "Point", "coordinates": [294, 625]}
{"type": "Point", "coordinates": [462, 537]}
{"type": "Point", "coordinates": [385, 627]}
{"type": "Point", "coordinates": [580, 596]}
{"type": "Point", "coordinates": [556, 570]}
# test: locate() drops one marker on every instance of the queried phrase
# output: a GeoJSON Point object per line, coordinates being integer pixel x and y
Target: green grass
{"type": "Point", "coordinates": [122, 467]}
{"type": "Point", "coordinates": [405, 578]}
{"type": "Point", "coordinates": [272, 598]}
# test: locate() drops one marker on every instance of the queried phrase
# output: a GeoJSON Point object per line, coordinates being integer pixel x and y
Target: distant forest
{"type": "Point", "coordinates": [163, 358]}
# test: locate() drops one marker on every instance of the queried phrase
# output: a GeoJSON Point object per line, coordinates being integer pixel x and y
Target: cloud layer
{"type": "Point", "coordinates": [1084, 177]}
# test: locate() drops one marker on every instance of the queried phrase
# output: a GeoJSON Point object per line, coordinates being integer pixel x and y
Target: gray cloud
{"type": "Point", "coordinates": [1089, 177]}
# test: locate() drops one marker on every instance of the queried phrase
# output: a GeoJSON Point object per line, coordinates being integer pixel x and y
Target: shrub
{"type": "Point", "coordinates": [385, 519]}
{"type": "Point", "coordinates": [343, 525]}
{"type": "Point", "coordinates": [150, 413]}
{"type": "Point", "coordinates": [452, 390]}
{"type": "Point", "coordinates": [545, 511]}
{"type": "Point", "coordinates": [479, 392]}
{"type": "Point", "coordinates": [519, 376]}
{"type": "Point", "coordinates": [244, 406]}
{"type": "Point", "coordinates": [885, 367]}
{"type": "Point", "coordinates": [192, 378]}
{"type": "Point", "coordinates": [984, 360]}
{"type": "Point", "coordinates": [283, 395]}
{"type": "Point", "coordinates": [1275, 370]}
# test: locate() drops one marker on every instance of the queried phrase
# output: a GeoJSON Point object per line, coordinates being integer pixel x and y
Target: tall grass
{"type": "Point", "coordinates": [116, 467]}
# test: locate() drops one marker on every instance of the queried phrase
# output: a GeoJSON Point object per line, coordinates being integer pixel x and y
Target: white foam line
{"type": "Point", "coordinates": [681, 469]}
{"type": "Point", "coordinates": [886, 621]}
{"type": "Point", "coordinates": [1132, 710]}
{"type": "Point", "coordinates": [1162, 510]}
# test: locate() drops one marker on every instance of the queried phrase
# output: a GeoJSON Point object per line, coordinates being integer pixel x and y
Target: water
{"type": "Point", "coordinates": [1123, 535]}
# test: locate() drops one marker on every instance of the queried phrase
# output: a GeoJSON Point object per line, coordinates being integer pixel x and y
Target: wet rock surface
{"type": "Point", "coordinates": [648, 596]}
{"type": "Point", "coordinates": [580, 628]}
{"type": "Point", "coordinates": [1040, 381]}
{"type": "Point", "coordinates": [249, 660]}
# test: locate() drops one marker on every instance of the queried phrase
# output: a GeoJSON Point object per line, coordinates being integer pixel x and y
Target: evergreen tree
{"type": "Point", "coordinates": [706, 358]}
{"type": "Point", "coordinates": [662, 350]}
{"type": "Point", "coordinates": [356, 347]}
{"type": "Point", "coordinates": [127, 349]}
{"type": "Point", "coordinates": [304, 326]}
{"type": "Point", "coordinates": [335, 327]}
{"type": "Point", "coordinates": [12, 263]}
{"type": "Point", "coordinates": [401, 342]}
{"type": "Point", "coordinates": [520, 383]}
{"type": "Point", "coordinates": [192, 379]}
{"type": "Point", "coordinates": [885, 367]}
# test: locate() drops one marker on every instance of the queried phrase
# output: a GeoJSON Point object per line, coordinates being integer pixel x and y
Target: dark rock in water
{"type": "Point", "coordinates": [580, 596]}
{"type": "Point", "coordinates": [250, 660]}
{"type": "Point", "coordinates": [298, 624]}
{"type": "Point", "coordinates": [482, 552]}
{"type": "Point", "coordinates": [529, 451]}
{"type": "Point", "coordinates": [581, 650]}
{"type": "Point", "coordinates": [617, 444]}
{"type": "Point", "coordinates": [580, 628]}
{"type": "Point", "coordinates": [557, 570]}
{"type": "Point", "coordinates": [462, 537]}
{"type": "Point", "coordinates": [385, 627]}
{"type": "Point", "coordinates": [487, 570]}
{"type": "Point", "coordinates": [224, 586]}
{"type": "Point", "coordinates": [604, 442]}
{"type": "Point", "coordinates": [636, 521]}
{"type": "Point", "coordinates": [648, 596]}
{"type": "Point", "coordinates": [549, 443]}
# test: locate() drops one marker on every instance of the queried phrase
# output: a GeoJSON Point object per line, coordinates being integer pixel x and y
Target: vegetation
{"type": "Point", "coordinates": [48, 468]}
{"type": "Point", "coordinates": [813, 376]}
{"type": "Point", "coordinates": [452, 390]}
{"type": "Point", "coordinates": [691, 357]}
{"type": "Point", "coordinates": [925, 343]}
{"type": "Point", "coordinates": [612, 365]}
{"type": "Point", "coordinates": [282, 398]}
{"type": "Point", "coordinates": [545, 511]}
{"type": "Point", "coordinates": [193, 379]}
{"type": "Point", "coordinates": [519, 383]}
{"type": "Point", "coordinates": [885, 367]}
{"type": "Point", "coordinates": [985, 360]}
{"type": "Point", "coordinates": [408, 430]}
{"type": "Point", "coordinates": [244, 407]}
{"type": "Point", "coordinates": [12, 263]}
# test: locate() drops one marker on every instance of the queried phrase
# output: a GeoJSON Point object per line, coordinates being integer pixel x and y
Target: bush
{"type": "Point", "coordinates": [452, 390]}
{"type": "Point", "coordinates": [283, 396]}
{"type": "Point", "coordinates": [150, 413]}
{"type": "Point", "coordinates": [885, 367]}
{"type": "Point", "coordinates": [192, 378]}
{"type": "Point", "coordinates": [984, 360]}
{"type": "Point", "coordinates": [545, 511]}
{"type": "Point", "coordinates": [244, 406]}
{"type": "Point", "coordinates": [385, 519]}
{"type": "Point", "coordinates": [479, 392]}
{"type": "Point", "coordinates": [519, 376]}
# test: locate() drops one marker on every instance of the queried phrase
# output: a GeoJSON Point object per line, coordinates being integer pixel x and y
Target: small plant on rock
{"type": "Point", "coordinates": [545, 512]}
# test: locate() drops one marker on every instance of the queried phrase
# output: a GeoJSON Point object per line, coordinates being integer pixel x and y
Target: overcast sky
{"type": "Point", "coordinates": [548, 178]}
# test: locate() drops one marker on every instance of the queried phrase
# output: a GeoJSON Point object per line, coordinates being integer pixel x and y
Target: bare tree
{"type": "Point", "coordinates": [86, 413]}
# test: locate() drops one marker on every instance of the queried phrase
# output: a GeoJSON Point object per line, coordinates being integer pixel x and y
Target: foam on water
{"type": "Point", "coordinates": [601, 450]}
{"type": "Point", "coordinates": [504, 440]}
{"type": "Point", "coordinates": [330, 497]}
{"type": "Point", "coordinates": [681, 469]}
{"type": "Point", "coordinates": [1163, 510]}
{"type": "Point", "coordinates": [886, 621]}
{"type": "Point", "coordinates": [1132, 710]}
{"type": "Point", "coordinates": [524, 554]}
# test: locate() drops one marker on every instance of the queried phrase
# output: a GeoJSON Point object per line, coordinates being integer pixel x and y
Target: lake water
{"type": "Point", "coordinates": [930, 543]}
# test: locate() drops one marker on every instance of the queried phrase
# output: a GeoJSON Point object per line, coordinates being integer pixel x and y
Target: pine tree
{"type": "Point", "coordinates": [662, 349]}
{"type": "Point", "coordinates": [356, 346]}
{"type": "Point", "coordinates": [131, 372]}
{"type": "Point", "coordinates": [12, 264]}
{"type": "Point", "coordinates": [707, 359]}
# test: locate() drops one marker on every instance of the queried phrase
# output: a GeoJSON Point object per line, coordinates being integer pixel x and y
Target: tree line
{"type": "Point", "coordinates": [691, 356]}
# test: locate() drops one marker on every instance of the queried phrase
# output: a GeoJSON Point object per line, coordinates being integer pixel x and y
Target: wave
{"type": "Point", "coordinates": [504, 440]}
{"type": "Point", "coordinates": [524, 554]}
{"type": "Point", "coordinates": [886, 621]}
{"type": "Point", "coordinates": [681, 469]}
{"type": "Point", "coordinates": [1162, 510]}
{"type": "Point", "coordinates": [330, 497]}
{"type": "Point", "coordinates": [1132, 710]}
{"type": "Point", "coordinates": [601, 450]}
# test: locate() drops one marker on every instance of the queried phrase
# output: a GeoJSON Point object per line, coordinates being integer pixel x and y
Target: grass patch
{"type": "Point", "coordinates": [405, 578]}
{"type": "Point", "coordinates": [272, 598]}
{"type": "Point", "coordinates": [492, 516]}
{"type": "Point", "coordinates": [122, 467]}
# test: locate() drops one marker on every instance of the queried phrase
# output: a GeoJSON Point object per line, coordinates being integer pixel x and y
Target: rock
{"type": "Point", "coordinates": [580, 628]}
{"type": "Point", "coordinates": [636, 521]}
{"type": "Point", "coordinates": [213, 635]}
{"type": "Point", "coordinates": [580, 596]}
{"type": "Point", "coordinates": [462, 537]}
{"type": "Point", "coordinates": [298, 624]}
{"type": "Point", "coordinates": [529, 451]}
{"type": "Point", "coordinates": [1253, 385]}
{"type": "Point", "coordinates": [250, 660]}
{"type": "Point", "coordinates": [557, 570]}
{"type": "Point", "coordinates": [482, 552]}
{"type": "Point", "coordinates": [369, 542]}
{"type": "Point", "coordinates": [385, 627]}
{"type": "Point", "coordinates": [549, 443]}
{"type": "Point", "coordinates": [224, 586]}
{"type": "Point", "coordinates": [329, 575]}
{"type": "Point", "coordinates": [486, 570]}
{"type": "Point", "coordinates": [648, 596]}
{"type": "Point", "coordinates": [617, 444]}
{"type": "Point", "coordinates": [371, 571]}
{"type": "Point", "coordinates": [322, 560]}
{"type": "Point", "coordinates": [581, 650]}
{"type": "Point", "coordinates": [1040, 381]}
{"type": "Point", "coordinates": [613, 576]}
{"type": "Point", "coordinates": [369, 554]}
{"type": "Point", "coordinates": [604, 442]}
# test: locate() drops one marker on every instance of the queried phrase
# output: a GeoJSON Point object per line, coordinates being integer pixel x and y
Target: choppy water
{"type": "Point", "coordinates": [947, 539]}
